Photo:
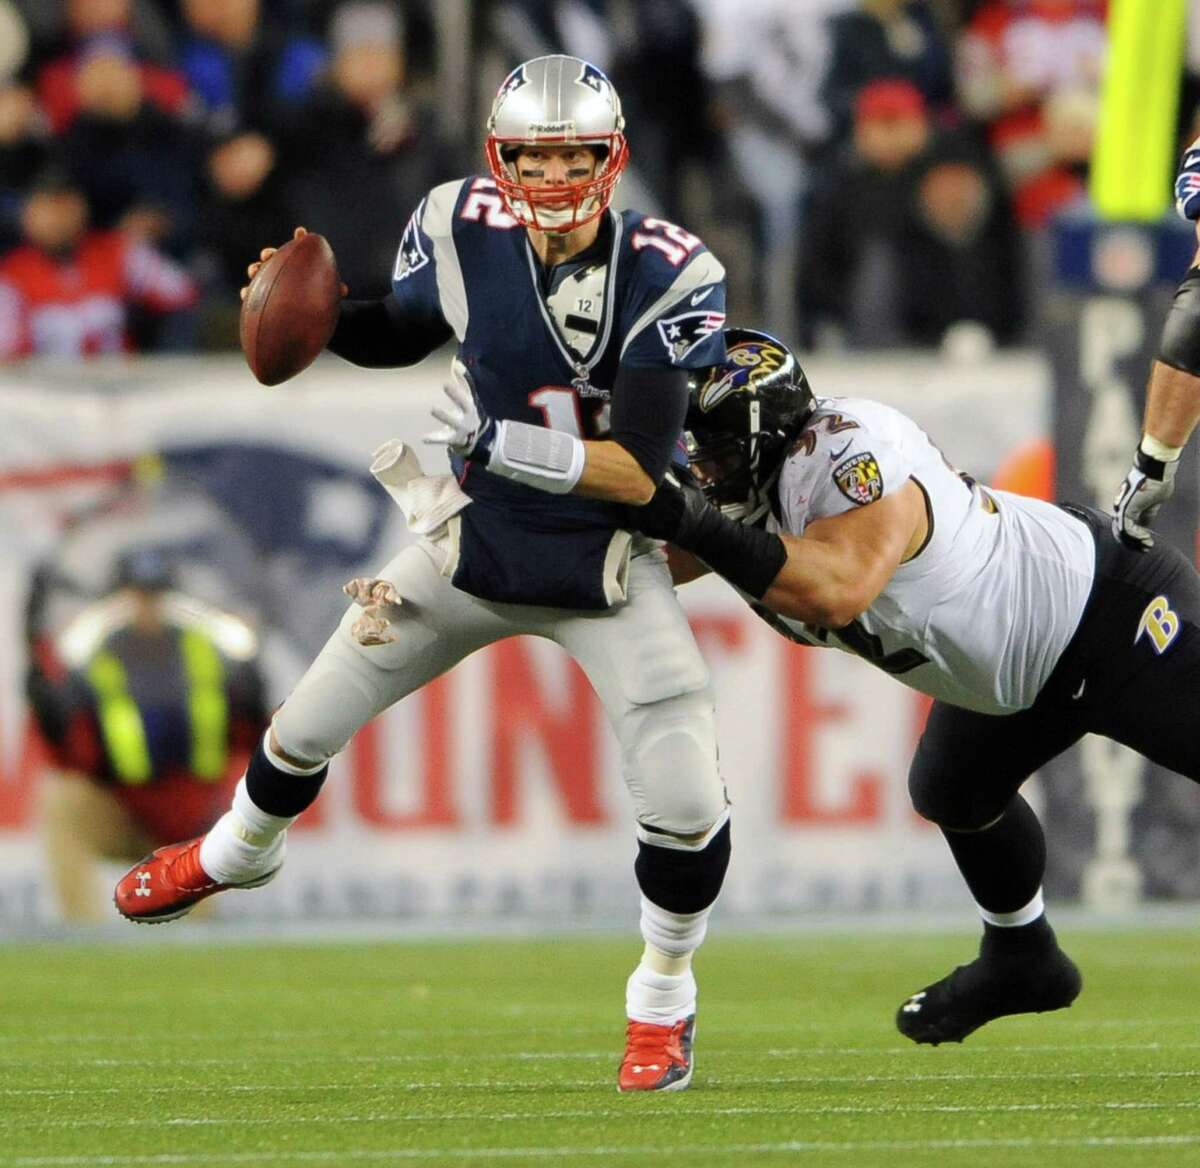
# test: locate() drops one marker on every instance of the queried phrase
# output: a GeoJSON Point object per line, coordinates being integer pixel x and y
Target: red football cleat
{"type": "Point", "coordinates": [168, 883]}
{"type": "Point", "coordinates": [657, 1058]}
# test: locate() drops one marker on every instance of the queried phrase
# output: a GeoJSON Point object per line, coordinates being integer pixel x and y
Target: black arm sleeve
{"type": "Point", "coordinates": [648, 408]}
{"type": "Point", "coordinates": [1180, 344]}
{"type": "Point", "coordinates": [380, 334]}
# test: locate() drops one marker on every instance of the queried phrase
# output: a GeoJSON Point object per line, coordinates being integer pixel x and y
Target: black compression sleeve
{"type": "Point", "coordinates": [380, 334]}
{"type": "Point", "coordinates": [748, 557]}
{"type": "Point", "coordinates": [1180, 343]}
{"type": "Point", "coordinates": [648, 408]}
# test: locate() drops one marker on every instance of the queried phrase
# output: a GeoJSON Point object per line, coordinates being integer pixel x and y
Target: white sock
{"type": "Point", "coordinates": [661, 998]}
{"type": "Point", "coordinates": [245, 843]}
{"type": "Point", "coordinates": [1023, 916]}
{"type": "Point", "coordinates": [254, 825]}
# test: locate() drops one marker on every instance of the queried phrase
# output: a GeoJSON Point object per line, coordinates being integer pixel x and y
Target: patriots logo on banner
{"type": "Point", "coordinates": [859, 478]}
{"type": "Point", "coordinates": [512, 83]}
{"type": "Point", "coordinates": [411, 257]}
{"type": "Point", "coordinates": [681, 334]}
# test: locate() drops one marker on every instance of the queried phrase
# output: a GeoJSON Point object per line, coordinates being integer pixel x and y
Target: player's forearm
{"type": "Point", "coordinates": [378, 334]}
{"type": "Point", "coordinates": [610, 472]}
{"type": "Point", "coordinates": [819, 585]}
{"type": "Point", "coordinates": [1172, 406]}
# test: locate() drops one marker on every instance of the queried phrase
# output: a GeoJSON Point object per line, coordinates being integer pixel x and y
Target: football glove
{"type": "Point", "coordinates": [747, 556]}
{"type": "Point", "coordinates": [673, 513]}
{"type": "Point", "coordinates": [466, 430]}
{"type": "Point", "coordinates": [1148, 485]}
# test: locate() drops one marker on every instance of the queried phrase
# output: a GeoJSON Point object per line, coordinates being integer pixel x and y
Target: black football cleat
{"type": "Point", "coordinates": [992, 986]}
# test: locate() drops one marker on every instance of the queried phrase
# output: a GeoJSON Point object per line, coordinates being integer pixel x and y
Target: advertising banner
{"type": "Point", "coordinates": [494, 793]}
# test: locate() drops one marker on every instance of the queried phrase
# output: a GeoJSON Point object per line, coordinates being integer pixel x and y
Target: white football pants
{"type": "Point", "coordinates": [640, 658]}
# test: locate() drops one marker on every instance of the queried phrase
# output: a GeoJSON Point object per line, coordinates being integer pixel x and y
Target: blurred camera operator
{"type": "Point", "coordinates": [150, 703]}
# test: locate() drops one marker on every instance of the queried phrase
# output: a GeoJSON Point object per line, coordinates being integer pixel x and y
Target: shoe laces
{"type": "Point", "coordinates": [185, 871]}
{"type": "Point", "coordinates": [647, 1042]}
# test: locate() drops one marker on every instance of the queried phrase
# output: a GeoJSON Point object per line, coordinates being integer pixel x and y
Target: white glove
{"type": "Point", "coordinates": [1148, 485]}
{"type": "Point", "coordinates": [466, 429]}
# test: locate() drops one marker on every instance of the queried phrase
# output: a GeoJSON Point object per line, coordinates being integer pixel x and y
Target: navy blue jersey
{"type": "Point", "coordinates": [548, 353]}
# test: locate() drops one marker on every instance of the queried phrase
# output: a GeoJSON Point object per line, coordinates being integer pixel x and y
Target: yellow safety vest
{"type": "Point", "coordinates": [208, 712]}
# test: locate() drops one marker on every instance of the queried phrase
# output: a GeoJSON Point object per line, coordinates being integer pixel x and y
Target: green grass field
{"type": "Point", "coordinates": [504, 1052]}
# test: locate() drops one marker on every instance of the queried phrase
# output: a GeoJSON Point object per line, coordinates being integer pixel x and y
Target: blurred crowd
{"type": "Point", "coordinates": [842, 157]}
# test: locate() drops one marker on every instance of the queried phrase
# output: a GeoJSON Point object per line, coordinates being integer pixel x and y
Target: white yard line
{"type": "Point", "coordinates": [591, 1113]}
{"type": "Point", "coordinates": [565, 1154]}
{"type": "Point", "coordinates": [710, 1049]}
{"type": "Point", "coordinates": [730, 1030]}
{"type": "Point", "coordinates": [541, 1085]}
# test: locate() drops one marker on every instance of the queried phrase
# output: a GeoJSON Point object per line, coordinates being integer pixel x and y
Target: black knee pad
{"type": "Point", "coordinates": [275, 791]}
{"type": "Point", "coordinates": [683, 881]}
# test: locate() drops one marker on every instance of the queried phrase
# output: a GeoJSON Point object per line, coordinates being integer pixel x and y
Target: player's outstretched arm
{"type": "Point", "coordinates": [1172, 411]}
{"type": "Point", "coordinates": [827, 576]}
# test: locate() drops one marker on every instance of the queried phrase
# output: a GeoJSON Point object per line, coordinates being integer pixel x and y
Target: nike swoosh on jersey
{"type": "Point", "coordinates": [835, 457]}
{"type": "Point", "coordinates": [701, 296]}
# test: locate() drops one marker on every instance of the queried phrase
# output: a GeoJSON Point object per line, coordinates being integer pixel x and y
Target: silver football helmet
{"type": "Point", "coordinates": [557, 101]}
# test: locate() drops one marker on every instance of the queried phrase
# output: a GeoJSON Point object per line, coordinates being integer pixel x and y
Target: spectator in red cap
{"type": "Point", "coordinates": [891, 125]}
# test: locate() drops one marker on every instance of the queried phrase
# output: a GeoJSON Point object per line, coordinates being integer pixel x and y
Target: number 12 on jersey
{"type": "Point", "coordinates": [675, 243]}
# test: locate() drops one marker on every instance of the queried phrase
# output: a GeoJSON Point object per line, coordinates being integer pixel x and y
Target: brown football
{"type": "Point", "coordinates": [290, 309]}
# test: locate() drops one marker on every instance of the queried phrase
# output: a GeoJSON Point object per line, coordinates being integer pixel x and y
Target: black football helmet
{"type": "Point", "coordinates": [743, 416]}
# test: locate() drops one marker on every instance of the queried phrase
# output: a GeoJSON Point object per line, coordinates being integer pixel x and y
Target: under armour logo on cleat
{"type": "Point", "coordinates": [638, 1068]}
{"type": "Point", "coordinates": [913, 1005]}
{"type": "Point", "coordinates": [143, 879]}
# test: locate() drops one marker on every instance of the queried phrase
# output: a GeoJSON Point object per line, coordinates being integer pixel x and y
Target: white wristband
{"type": "Point", "coordinates": [1153, 448]}
{"type": "Point", "coordinates": [549, 460]}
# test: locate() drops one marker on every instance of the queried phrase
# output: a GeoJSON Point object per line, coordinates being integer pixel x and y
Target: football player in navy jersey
{"type": "Point", "coordinates": [1028, 623]}
{"type": "Point", "coordinates": [575, 329]}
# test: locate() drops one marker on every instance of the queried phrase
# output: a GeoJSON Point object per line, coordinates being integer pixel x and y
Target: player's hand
{"type": "Point", "coordinates": [266, 254]}
{"type": "Point", "coordinates": [466, 430]}
{"type": "Point", "coordinates": [673, 513]}
{"type": "Point", "coordinates": [1147, 486]}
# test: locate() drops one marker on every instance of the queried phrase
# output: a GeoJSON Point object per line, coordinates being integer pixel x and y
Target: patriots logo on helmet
{"type": "Point", "coordinates": [595, 80]}
{"type": "Point", "coordinates": [411, 257]}
{"type": "Point", "coordinates": [514, 81]}
{"type": "Point", "coordinates": [751, 360]}
{"type": "Point", "coordinates": [681, 334]}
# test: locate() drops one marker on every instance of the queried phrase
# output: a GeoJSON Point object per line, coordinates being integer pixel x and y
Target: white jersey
{"type": "Point", "coordinates": [981, 613]}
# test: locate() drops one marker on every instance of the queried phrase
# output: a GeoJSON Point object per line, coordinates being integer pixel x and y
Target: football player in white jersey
{"type": "Point", "coordinates": [575, 327]}
{"type": "Point", "coordinates": [1028, 623]}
